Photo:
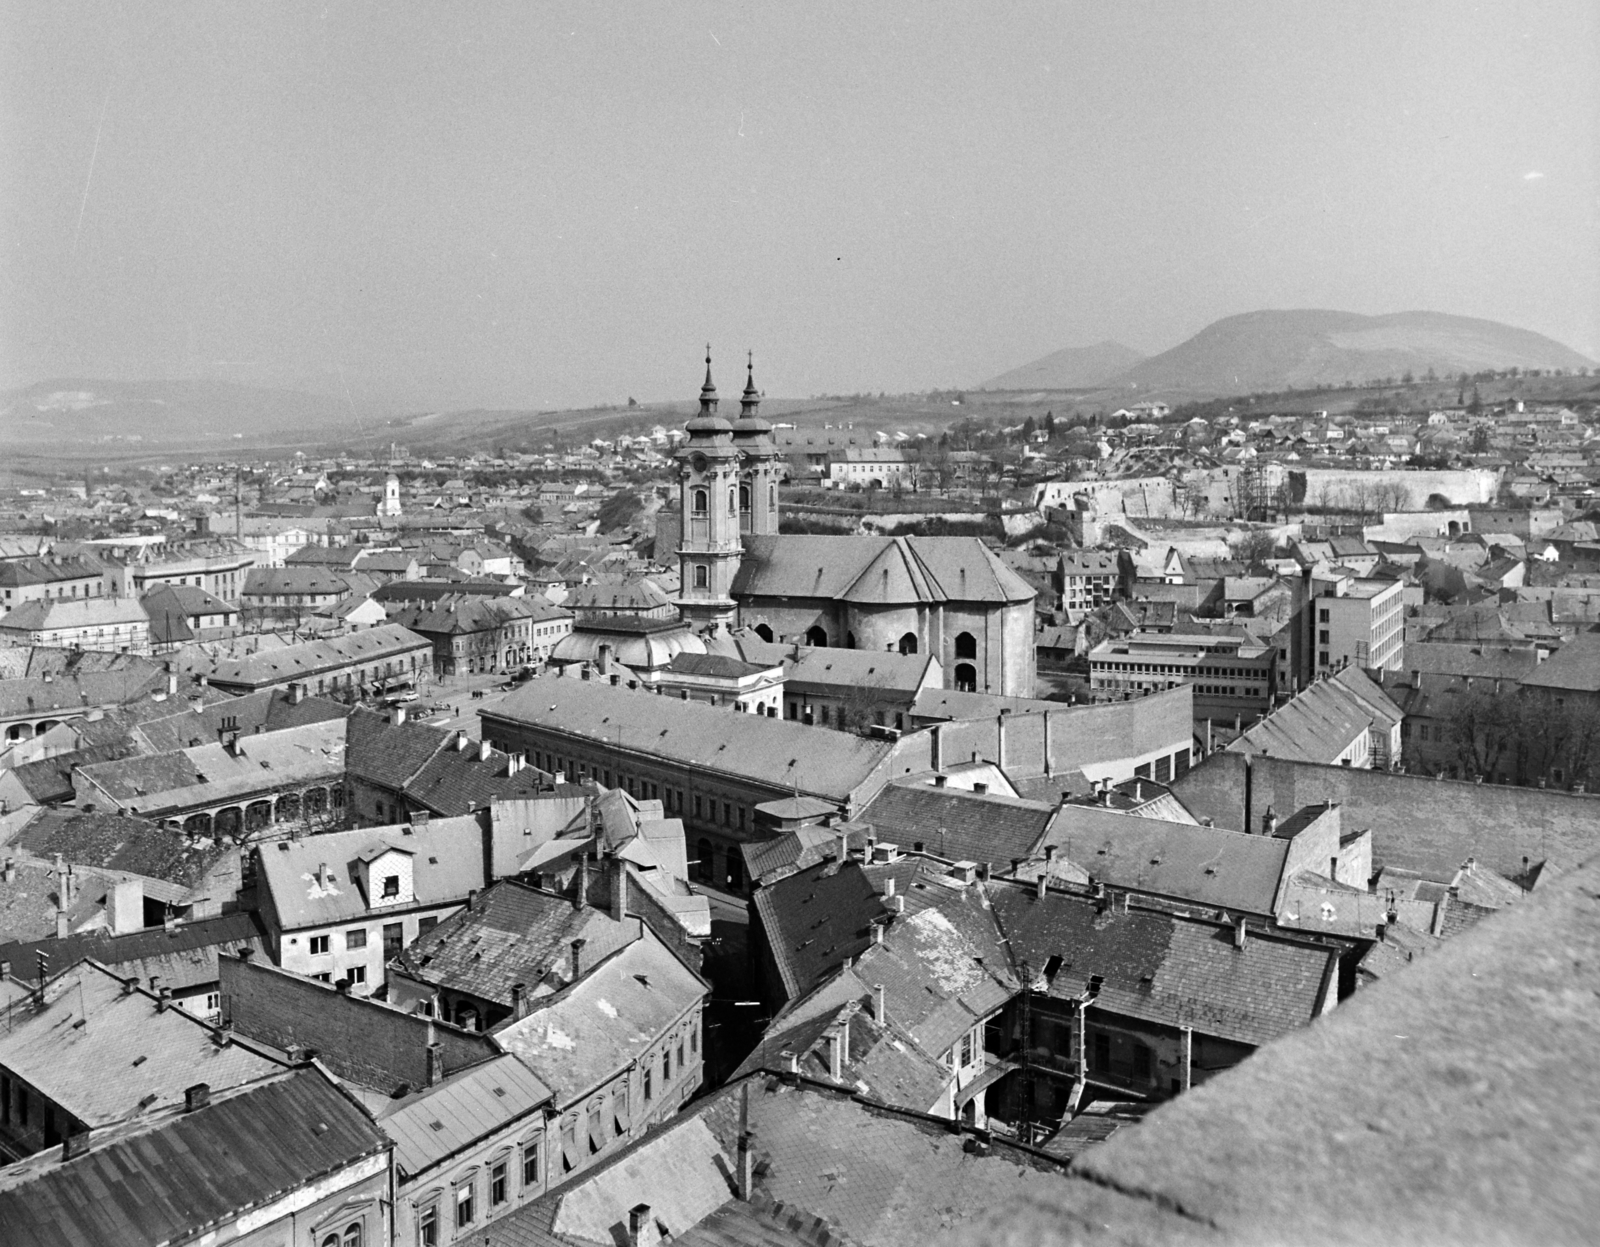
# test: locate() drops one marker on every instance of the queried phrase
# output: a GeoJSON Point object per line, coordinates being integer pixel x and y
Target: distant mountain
{"type": "Point", "coordinates": [72, 412]}
{"type": "Point", "coordinates": [1261, 351]}
{"type": "Point", "coordinates": [1072, 368]}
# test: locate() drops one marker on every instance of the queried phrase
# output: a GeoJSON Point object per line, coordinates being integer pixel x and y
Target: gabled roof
{"type": "Point", "coordinates": [183, 955]}
{"type": "Point", "coordinates": [1158, 967]}
{"type": "Point", "coordinates": [955, 824]}
{"type": "Point", "coordinates": [604, 1022]}
{"type": "Point", "coordinates": [276, 666]}
{"type": "Point", "coordinates": [119, 842]}
{"type": "Point", "coordinates": [438, 1122]}
{"type": "Point", "coordinates": [267, 710]}
{"type": "Point", "coordinates": [105, 1052]}
{"type": "Point", "coordinates": [1575, 667]}
{"type": "Point", "coordinates": [513, 934]}
{"type": "Point", "coordinates": [1212, 867]}
{"type": "Point", "coordinates": [877, 570]}
{"type": "Point", "coordinates": [448, 864]}
{"type": "Point", "coordinates": [177, 1175]}
{"type": "Point", "coordinates": [1322, 721]}
{"type": "Point", "coordinates": [813, 919]}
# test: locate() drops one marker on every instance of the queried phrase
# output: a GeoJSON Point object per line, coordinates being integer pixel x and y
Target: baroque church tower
{"type": "Point", "coordinates": [728, 483]}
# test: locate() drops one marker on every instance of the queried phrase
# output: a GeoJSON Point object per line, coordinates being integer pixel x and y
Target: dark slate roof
{"type": "Point", "coordinates": [1575, 667]}
{"type": "Point", "coordinates": [1158, 967]}
{"type": "Point", "coordinates": [420, 761]}
{"type": "Point", "coordinates": [268, 710]}
{"type": "Point", "coordinates": [955, 824]}
{"type": "Point", "coordinates": [49, 780]}
{"type": "Point", "coordinates": [814, 919]}
{"type": "Point", "coordinates": [513, 934]}
{"type": "Point", "coordinates": [118, 842]}
{"type": "Point", "coordinates": [877, 570]}
{"type": "Point", "coordinates": [1461, 1099]}
{"type": "Point", "coordinates": [195, 943]}
{"type": "Point", "coordinates": [377, 751]}
{"type": "Point", "coordinates": [1320, 723]}
{"type": "Point", "coordinates": [179, 1174]}
{"type": "Point", "coordinates": [716, 666]}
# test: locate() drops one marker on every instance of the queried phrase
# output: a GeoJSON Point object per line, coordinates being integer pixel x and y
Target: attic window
{"type": "Point", "coordinates": [1096, 982]}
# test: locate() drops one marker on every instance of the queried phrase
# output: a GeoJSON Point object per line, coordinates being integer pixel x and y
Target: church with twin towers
{"type": "Point", "coordinates": [946, 596]}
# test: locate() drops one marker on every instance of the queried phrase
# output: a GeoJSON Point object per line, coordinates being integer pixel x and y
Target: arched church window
{"type": "Point", "coordinates": [702, 502]}
{"type": "Point", "coordinates": [966, 645]}
{"type": "Point", "coordinates": [908, 643]}
{"type": "Point", "coordinates": [817, 636]}
{"type": "Point", "coordinates": [764, 632]}
{"type": "Point", "coordinates": [966, 677]}
{"type": "Point", "coordinates": [744, 497]}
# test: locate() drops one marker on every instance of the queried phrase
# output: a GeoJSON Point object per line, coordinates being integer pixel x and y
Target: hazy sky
{"type": "Point", "coordinates": [536, 204]}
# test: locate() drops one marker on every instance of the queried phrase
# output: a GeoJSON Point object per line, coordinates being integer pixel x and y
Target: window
{"type": "Point", "coordinates": [356, 938]}
{"type": "Point", "coordinates": [464, 1209]}
{"type": "Point", "coordinates": [498, 1188]}
{"type": "Point", "coordinates": [428, 1226]}
{"type": "Point", "coordinates": [324, 977]}
{"type": "Point", "coordinates": [394, 938]}
{"type": "Point", "coordinates": [214, 999]}
{"type": "Point", "coordinates": [319, 945]}
{"type": "Point", "coordinates": [666, 1067]}
{"type": "Point", "coordinates": [702, 577]}
{"type": "Point", "coordinates": [391, 887]}
{"type": "Point", "coordinates": [1322, 636]}
{"type": "Point", "coordinates": [966, 645]}
{"type": "Point", "coordinates": [680, 1053]}
{"type": "Point", "coordinates": [530, 1164]}
{"type": "Point", "coordinates": [649, 1088]}
{"type": "Point", "coordinates": [357, 974]}
{"type": "Point", "coordinates": [1322, 616]}
{"type": "Point", "coordinates": [701, 501]}
{"type": "Point", "coordinates": [424, 925]}
{"type": "Point", "coordinates": [694, 1037]}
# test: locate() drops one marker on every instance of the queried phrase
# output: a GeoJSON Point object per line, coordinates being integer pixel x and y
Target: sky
{"type": "Point", "coordinates": [543, 205]}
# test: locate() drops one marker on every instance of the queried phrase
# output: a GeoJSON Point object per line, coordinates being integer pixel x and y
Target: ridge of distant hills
{"type": "Point", "coordinates": [1276, 350]}
{"type": "Point", "coordinates": [1071, 368]}
{"type": "Point", "coordinates": [73, 411]}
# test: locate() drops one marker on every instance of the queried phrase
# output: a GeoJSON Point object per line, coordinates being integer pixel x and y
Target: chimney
{"type": "Point", "coordinates": [519, 1000]}
{"type": "Point", "coordinates": [641, 1227]}
{"type": "Point", "coordinates": [603, 660]}
{"type": "Point", "coordinates": [619, 888]}
{"type": "Point", "coordinates": [1238, 932]}
{"type": "Point", "coordinates": [461, 742]}
{"type": "Point", "coordinates": [888, 886]}
{"type": "Point", "coordinates": [838, 1040]}
{"type": "Point", "coordinates": [197, 1096]}
{"type": "Point", "coordinates": [514, 763]}
{"type": "Point", "coordinates": [75, 1145]}
{"type": "Point", "coordinates": [577, 958]}
{"type": "Point", "coordinates": [877, 933]}
{"type": "Point", "coordinates": [941, 781]}
{"type": "Point", "coordinates": [297, 693]}
{"type": "Point", "coordinates": [1105, 792]}
{"type": "Point", "coordinates": [1269, 822]}
{"type": "Point", "coordinates": [435, 1062]}
{"type": "Point", "coordinates": [10, 870]}
{"type": "Point", "coordinates": [484, 750]}
{"type": "Point", "coordinates": [581, 900]}
{"type": "Point", "coordinates": [841, 850]}
{"type": "Point", "coordinates": [61, 924]}
{"type": "Point", "coordinates": [1040, 884]}
{"type": "Point", "coordinates": [880, 1009]}
{"type": "Point", "coordinates": [172, 685]}
{"type": "Point", "coordinates": [397, 716]}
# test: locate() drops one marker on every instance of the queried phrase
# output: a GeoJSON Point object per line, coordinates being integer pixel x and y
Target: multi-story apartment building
{"type": "Point", "coordinates": [1088, 579]}
{"type": "Point", "coordinates": [117, 625]}
{"type": "Point", "coordinates": [1359, 622]}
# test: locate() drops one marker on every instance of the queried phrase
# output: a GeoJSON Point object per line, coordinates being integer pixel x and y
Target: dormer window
{"type": "Point", "coordinates": [391, 887]}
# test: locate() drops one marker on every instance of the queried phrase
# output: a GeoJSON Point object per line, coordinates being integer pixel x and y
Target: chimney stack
{"type": "Point", "coordinates": [1040, 884]}
{"type": "Point", "coordinates": [484, 750]}
{"type": "Point", "coordinates": [197, 1096]}
{"type": "Point", "coordinates": [880, 1009]}
{"type": "Point", "coordinates": [747, 1168]}
{"type": "Point", "coordinates": [641, 1227]}
{"type": "Point", "coordinates": [519, 1000]}
{"type": "Point", "coordinates": [619, 888]}
{"type": "Point", "coordinates": [1238, 932]}
{"type": "Point", "coordinates": [397, 716]}
{"type": "Point", "coordinates": [582, 899]}
{"type": "Point", "coordinates": [1269, 822]}
{"type": "Point", "coordinates": [435, 1061]}
{"type": "Point", "coordinates": [577, 958]}
{"type": "Point", "coordinates": [838, 1039]}
{"type": "Point", "coordinates": [842, 849]}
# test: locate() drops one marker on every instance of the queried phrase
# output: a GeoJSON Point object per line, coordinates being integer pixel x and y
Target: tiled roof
{"type": "Point", "coordinates": [419, 761]}
{"type": "Point", "coordinates": [877, 570]}
{"type": "Point", "coordinates": [819, 669]}
{"type": "Point", "coordinates": [277, 666]}
{"type": "Point", "coordinates": [126, 1057]}
{"type": "Point", "coordinates": [180, 1174]}
{"type": "Point", "coordinates": [440, 1121]}
{"type": "Point", "coordinates": [955, 824]}
{"type": "Point", "coordinates": [1474, 1065]}
{"type": "Point", "coordinates": [1213, 867]}
{"type": "Point", "coordinates": [776, 752]}
{"type": "Point", "coordinates": [75, 692]}
{"type": "Point", "coordinates": [96, 612]}
{"type": "Point", "coordinates": [49, 780]}
{"type": "Point", "coordinates": [447, 863]}
{"type": "Point", "coordinates": [514, 934]}
{"type": "Point", "coordinates": [1161, 968]}
{"type": "Point", "coordinates": [183, 956]}
{"type": "Point", "coordinates": [605, 1021]}
{"type": "Point", "coordinates": [814, 919]}
{"type": "Point", "coordinates": [1574, 667]}
{"type": "Point", "coordinates": [716, 666]}
{"type": "Point", "coordinates": [269, 710]}
{"type": "Point", "coordinates": [121, 843]}
{"type": "Point", "coordinates": [1322, 721]}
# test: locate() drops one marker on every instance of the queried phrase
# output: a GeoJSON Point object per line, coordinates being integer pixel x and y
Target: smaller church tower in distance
{"type": "Point", "coordinates": [390, 506]}
{"type": "Point", "coordinates": [709, 482]}
{"type": "Point", "coordinates": [758, 463]}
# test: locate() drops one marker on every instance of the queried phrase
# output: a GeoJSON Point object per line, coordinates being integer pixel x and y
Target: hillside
{"type": "Point", "coordinates": [1071, 368]}
{"type": "Point", "coordinates": [1277, 350]}
{"type": "Point", "coordinates": [77, 412]}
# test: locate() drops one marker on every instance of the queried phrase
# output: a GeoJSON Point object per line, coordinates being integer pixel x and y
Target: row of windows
{"type": "Point", "coordinates": [700, 500]}
{"type": "Point", "coordinates": [464, 1196]}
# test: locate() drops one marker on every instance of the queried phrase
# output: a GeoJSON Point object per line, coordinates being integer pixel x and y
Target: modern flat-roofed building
{"type": "Point", "coordinates": [1232, 673]}
{"type": "Point", "coordinates": [1359, 622]}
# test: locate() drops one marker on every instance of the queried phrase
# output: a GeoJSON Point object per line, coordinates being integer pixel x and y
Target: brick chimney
{"type": "Point", "coordinates": [519, 1000]}
{"type": "Point", "coordinates": [197, 1096]}
{"type": "Point", "coordinates": [484, 750]}
{"type": "Point", "coordinates": [397, 716]}
{"type": "Point", "coordinates": [619, 887]}
{"type": "Point", "coordinates": [435, 1062]}
{"type": "Point", "coordinates": [581, 898]}
{"type": "Point", "coordinates": [577, 958]}
{"type": "Point", "coordinates": [642, 1227]}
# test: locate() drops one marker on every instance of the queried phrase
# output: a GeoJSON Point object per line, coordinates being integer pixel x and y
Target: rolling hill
{"type": "Point", "coordinates": [1071, 368]}
{"type": "Point", "coordinates": [1274, 350]}
{"type": "Point", "coordinates": [74, 411]}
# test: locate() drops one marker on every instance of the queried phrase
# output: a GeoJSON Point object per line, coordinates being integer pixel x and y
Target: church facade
{"type": "Point", "coordinates": [948, 596]}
